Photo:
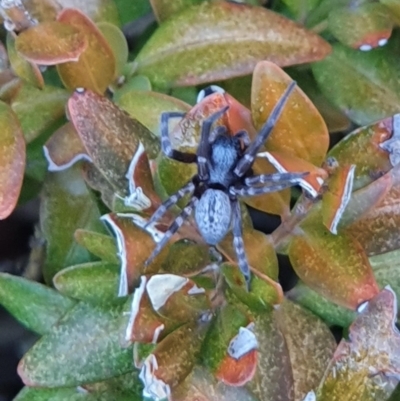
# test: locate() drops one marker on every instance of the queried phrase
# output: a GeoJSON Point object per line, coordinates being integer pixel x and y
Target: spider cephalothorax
{"type": "Point", "coordinates": [223, 173]}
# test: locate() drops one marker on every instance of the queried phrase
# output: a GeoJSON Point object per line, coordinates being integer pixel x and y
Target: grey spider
{"type": "Point", "coordinates": [223, 173]}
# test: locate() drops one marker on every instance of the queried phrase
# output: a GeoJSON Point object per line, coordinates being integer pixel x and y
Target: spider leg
{"type": "Point", "coordinates": [276, 177]}
{"type": "Point", "coordinates": [172, 200]}
{"type": "Point", "coordinates": [244, 136]}
{"type": "Point", "coordinates": [183, 215]}
{"type": "Point", "coordinates": [249, 155]}
{"type": "Point", "coordinates": [238, 243]}
{"type": "Point", "coordinates": [166, 143]}
{"type": "Point", "coordinates": [203, 151]}
{"type": "Point", "coordinates": [253, 191]}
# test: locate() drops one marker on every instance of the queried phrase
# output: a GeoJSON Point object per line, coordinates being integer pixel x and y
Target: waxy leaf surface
{"type": "Point", "coordinates": [300, 130]}
{"type": "Point", "coordinates": [94, 282]}
{"type": "Point", "coordinates": [96, 66]}
{"type": "Point", "coordinates": [362, 91]}
{"type": "Point", "coordinates": [363, 365]}
{"type": "Point", "coordinates": [66, 206]}
{"type": "Point", "coordinates": [51, 43]}
{"type": "Point", "coordinates": [164, 9]}
{"type": "Point", "coordinates": [82, 348]}
{"type": "Point", "coordinates": [12, 160]}
{"type": "Point", "coordinates": [56, 394]}
{"type": "Point", "coordinates": [221, 40]}
{"type": "Point", "coordinates": [36, 306]}
{"type": "Point", "coordinates": [334, 265]}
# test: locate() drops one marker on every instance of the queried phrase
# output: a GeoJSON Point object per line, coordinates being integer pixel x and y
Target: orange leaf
{"type": "Point", "coordinates": [300, 130]}
{"type": "Point", "coordinates": [237, 372]}
{"type": "Point", "coordinates": [96, 66]}
{"type": "Point", "coordinates": [51, 43]}
{"type": "Point", "coordinates": [12, 160]}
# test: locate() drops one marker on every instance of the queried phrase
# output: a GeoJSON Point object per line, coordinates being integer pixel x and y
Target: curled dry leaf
{"type": "Point", "coordinates": [12, 160]}
{"type": "Point", "coordinates": [51, 43]}
{"type": "Point", "coordinates": [209, 39]}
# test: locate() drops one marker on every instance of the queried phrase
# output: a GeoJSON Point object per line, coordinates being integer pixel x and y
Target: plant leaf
{"type": "Point", "coordinates": [66, 206]}
{"type": "Point", "coordinates": [363, 365]}
{"type": "Point", "coordinates": [12, 160]}
{"type": "Point", "coordinates": [208, 40]}
{"type": "Point", "coordinates": [362, 91]}
{"type": "Point", "coordinates": [96, 66]}
{"type": "Point", "coordinates": [82, 348]}
{"type": "Point", "coordinates": [53, 394]}
{"type": "Point", "coordinates": [93, 282]}
{"type": "Point", "coordinates": [38, 109]}
{"type": "Point", "coordinates": [51, 43]}
{"type": "Point", "coordinates": [164, 9]}
{"type": "Point", "coordinates": [336, 266]}
{"type": "Point", "coordinates": [36, 306]}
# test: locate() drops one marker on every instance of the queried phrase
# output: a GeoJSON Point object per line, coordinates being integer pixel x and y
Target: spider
{"type": "Point", "coordinates": [224, 172]}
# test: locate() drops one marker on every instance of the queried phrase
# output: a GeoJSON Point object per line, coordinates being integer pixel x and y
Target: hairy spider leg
{"type": "Point", "coordinates": [172, 200]}
{"type": "Point", "coordinates": [166, 143]}
{"type": "Point", "coordinates": [250, 153]}
{"type": "Point", "coordinates": [238, 243]}
{"type": "Point", "coordinates": [203, 150]}
{"type": "Point", "coordinates": [217, 131]}
{"type": "Point", "coordinates": [173, 228]}
{"type": "Point", "coordinates": [276, 177]}
{"type": "Point", "coordinates": [254, 191]}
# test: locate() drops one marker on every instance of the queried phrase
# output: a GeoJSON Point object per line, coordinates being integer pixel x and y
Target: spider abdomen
{"type": "Point", "coordinates": [213, 215]}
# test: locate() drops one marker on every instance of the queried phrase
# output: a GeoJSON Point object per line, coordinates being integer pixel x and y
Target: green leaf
{"type": "Point", "coordinates": [367, 84]}
{"type": "Point", "coordinates": [38, 109]}
{"type": "Point", "coordinates": [221, 40]}
{"type": "Point", "coordinates": [36, 306]}
{"type": "Point", "coordinates": [164, 9]}
{"type": "Point", "coordinates": [95, 282]}
{"type": "Point", "coordinates": [66, 206]}
{"type": "Point", "coordinates": [331, 313]}
{"type": "Point", "coordinates": [82, 348]}
{"type": "Point", "coordinates": [130, 10]}
{"type": "Point", "coordinates": [53, 394]}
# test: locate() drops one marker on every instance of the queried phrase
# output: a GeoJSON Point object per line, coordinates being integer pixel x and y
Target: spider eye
{"type": "Point", "coordinates": [209, 91]}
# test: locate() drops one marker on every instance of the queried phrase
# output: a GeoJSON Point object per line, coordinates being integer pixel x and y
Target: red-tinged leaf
{"type": "Point", "coordinates": [39, 109]}
{"type": "Point", "coordinates": [172, 360]}
{"type": "Point", "coordinates": [51, 43]}
{"type": "Point", "coordinates": [337, 197]}
{"type": "Point", "coordinates": [334, 265]}
{"type": "Point", "coordinates": [237, 372]}
{"type": "Point", "coordinates": [96, 66]}
{"type": "Point", "coordinates": [66, 206]}
{"type": "Point", "coordinates": [366, 366]}
{"type": "Point", "coordinates": [140, 322]}
{"type": "Point", "coordinates": [285, 163]}
{"type": "Point", "coordinates": [177, 297]}
{"type": "Point", "coordinates": [12, 160]}
{"type": "Point", "coordinates": [221, 40]}
{"type": "Point", "coordinates": [113, 142]}
{"type": "Point", "coordinates": [27, 71]}
{"type": "Point", "coordinates": [300, 130]}
{"type": "Point", "coordinates": [377, 230]}
{"type": "Point", "coordinates": [9, 86]}
{"type": "Point", "coordinates": [134, 247]}
{"type": "Point", "coordinates": [310, 345]}
{"type": "Point", "coordinates": [64, 148]}
{"type": "Point", "coordinates": [202, 386]}
{"type": "Point", "coordinates": [362, 91]}
{"type": "Point", "coordinates": [373, 160]}
{"type": "Point", "coordinates": [164, 9]}
{"type": "Point", "coordinates": [362, 27]}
